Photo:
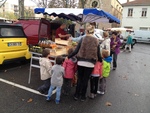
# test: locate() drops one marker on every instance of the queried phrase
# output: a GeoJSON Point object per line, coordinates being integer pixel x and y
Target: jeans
{"type": "Point", "coordinates": [45, 87]}
{"type": "Point", "coordinates": [114, 55]}
{"type": "Point", "coordinates": [94, 84]}
{"type": "Point", "coordinates": [102, 84]}
{"type": "Point", "coordinates": [82, 81]}
{"type": "Point", "coordinates": [58, 92]}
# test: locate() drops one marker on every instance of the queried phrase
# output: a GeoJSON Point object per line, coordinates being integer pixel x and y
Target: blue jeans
{"type": "Point", "coordinates": [58, 92]}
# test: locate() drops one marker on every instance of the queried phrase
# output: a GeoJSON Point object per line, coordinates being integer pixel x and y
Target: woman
{"type": "Point", "coordinates": [106, 42]}
{"type": "Point", "coordinates": [115, 44]}
{"type": "Point", "coordinates": [87, 54]}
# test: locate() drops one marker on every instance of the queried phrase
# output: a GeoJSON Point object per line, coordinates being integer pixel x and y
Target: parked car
{"type": "Point", "coordinates": [141, 36]}
{"type": "Point", "coordinates": [13, 43]}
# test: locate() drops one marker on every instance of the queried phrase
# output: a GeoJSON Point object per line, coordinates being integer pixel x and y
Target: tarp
{"type": "Point", "coordinates": [82, 15]}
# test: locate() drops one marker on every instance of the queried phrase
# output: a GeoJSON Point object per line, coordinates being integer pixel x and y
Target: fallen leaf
{"type": "Point", "coordinates": [136, 95]}
{"type": "Point", "coordinates": [125, 77]}
{"type": "Point", "coordinates": [108, 104]}
{"type": "Point", "coordinates": [30, 100]}
{"type": "Point", "coordinates": [5, 71]}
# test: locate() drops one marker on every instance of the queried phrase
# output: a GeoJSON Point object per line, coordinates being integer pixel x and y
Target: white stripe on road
{"type": "Point", "coordinates": [23, 87]}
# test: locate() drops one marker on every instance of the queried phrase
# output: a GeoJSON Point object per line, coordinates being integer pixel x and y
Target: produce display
{"type": "Point", "coordinates": [47, 44]}
{"type": "Point", "coordinates": [36, 49]}
{"type": "Point", "coordinates": [74, 44]}
{"type": "Point", "coordinates": [51, 45]}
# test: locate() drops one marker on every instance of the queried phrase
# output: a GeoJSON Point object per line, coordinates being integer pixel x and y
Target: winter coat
{"type": "Point", "coordinates": [70, 66]}
{"type": "Point", "coordinates": [97, 69]}
{"type": "Point", "coordinates": [45, 68]}
{"type": "Point", "coordinates": [106, 44]}
{"type": "Point", "coordinates": [117, 48]}
{"type": "Point", "coordinates": [106, 66]}
{"type": "Point", "coordinates": [129, 39]}
{"type": "Point", "coordinates": [86, 50]}
{"type": "Point", "coordinates": [57, 75]}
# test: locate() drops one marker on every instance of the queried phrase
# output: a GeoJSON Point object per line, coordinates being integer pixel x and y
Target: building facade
{"type": "Point", "coordinates": [111, 6]}
{"type": "Point", "coordinates": [136, 15]}
{"type": "Point", "coordinates": [8, 10]}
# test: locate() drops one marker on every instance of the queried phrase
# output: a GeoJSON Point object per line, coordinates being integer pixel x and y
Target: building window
{"type": "Point", "coordinates": [144, 28]}
{"type": "Point", "coordinates": [144, 12]}
{"type": "Point", "coordinates": [128, 27]}
{"type": "Point", "coordinates": [130, 12]}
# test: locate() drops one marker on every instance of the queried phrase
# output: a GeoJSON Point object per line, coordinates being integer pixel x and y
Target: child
{"type": "Point", "coordinates": [105, 71]}
{"type": "Point", "coordinates": [70, 69]}
{"type": "Point", "coordinates": [56, 79]}
{"type": "Point", "coordinates": [128, 43]}
{"type": "Point", "coordinates": [97, 72]}
{"type": "Point", "coordinates": [45, 68]}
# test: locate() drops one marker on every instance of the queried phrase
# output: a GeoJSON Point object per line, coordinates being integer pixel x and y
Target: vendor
{"type": "Point", "coordinates": [61, 33]}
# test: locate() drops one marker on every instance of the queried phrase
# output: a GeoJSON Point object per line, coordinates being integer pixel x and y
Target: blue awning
{"type": "Point", "coordinates": [82, 15]}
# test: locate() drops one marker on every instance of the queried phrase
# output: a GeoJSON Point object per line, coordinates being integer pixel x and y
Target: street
{"type": "Point", "coordinates": [128, 89]}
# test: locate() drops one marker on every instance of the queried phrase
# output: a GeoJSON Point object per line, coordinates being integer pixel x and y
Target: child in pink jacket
{"type": "Point", "coordinates": [70, 66]}
{"type": "Point", "coordinates": [96, 74]}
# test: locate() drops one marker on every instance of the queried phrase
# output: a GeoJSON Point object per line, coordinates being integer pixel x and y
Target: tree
{"type": "Point", "coordinates": [21, 8]}
{"type": "Point", "coordinates": [28, 12]}
{"type": "Point", "coordinates": [82, 3]}
{"type": "Point", "coordinates": [2, 2]}
{"type": "Point", "coordinates": [56, 3]}
{"type": "Point", "coordinates": [10, 16]}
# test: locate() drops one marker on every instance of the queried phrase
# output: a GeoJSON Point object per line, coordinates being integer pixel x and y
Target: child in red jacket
{"type": "Point", "coordinates": [70, 66]}
{"type": "Point", "coordinates": [96, 74]}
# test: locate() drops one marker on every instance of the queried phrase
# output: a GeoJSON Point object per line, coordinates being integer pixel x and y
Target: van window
{"type": "Point", "coordinates": [43, 31]}
{"type": "Point", "coordinates": [11, 32]}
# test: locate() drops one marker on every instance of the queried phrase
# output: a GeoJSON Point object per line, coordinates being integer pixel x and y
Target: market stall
{"type": "Point", "coordinates": [58, 46]}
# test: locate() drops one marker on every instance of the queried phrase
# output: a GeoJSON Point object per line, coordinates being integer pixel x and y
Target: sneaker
{"type": "Point", "coordinates": [48, 99]}
{"type": "Point", "coordinates": [91, 96]}
{"type": "Point", "coordinates": [114, 68]}
{"type": "Point", "coordinates": [83, 99]}
{"type": "Point", "coordinates": [41, 91]}
{"type": "Point", "coordinates": [57, 101]}
{"type": "Point", "coordinates": [75, 98]}
{"type": "Point", "coordinates": [100, 92]}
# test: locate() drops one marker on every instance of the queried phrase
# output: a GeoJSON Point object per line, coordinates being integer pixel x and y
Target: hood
{"type": "Point", "coordinates": [108, 59]}
{"type": "Point", "coordinates": [73, 59]}
{"type": "Point", "coordinates": [42, 61]}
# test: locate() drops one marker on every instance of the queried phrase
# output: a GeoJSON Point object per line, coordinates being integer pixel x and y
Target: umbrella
{"type": "Point", "coordinates": [81, 15]}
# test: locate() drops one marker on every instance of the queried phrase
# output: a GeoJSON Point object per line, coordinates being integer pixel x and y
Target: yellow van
{"type": "Point", "coordinates": [13, 43]}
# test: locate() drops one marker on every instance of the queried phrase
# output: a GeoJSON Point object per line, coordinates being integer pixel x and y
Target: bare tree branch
{"type": "Point", "coordinates": [56, 3]}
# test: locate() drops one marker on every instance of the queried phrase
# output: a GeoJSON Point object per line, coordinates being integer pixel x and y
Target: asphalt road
{"type": "Point", "coordinates": [128, 89]}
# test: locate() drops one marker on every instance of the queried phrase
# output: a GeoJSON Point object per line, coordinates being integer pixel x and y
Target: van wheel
{"type": "Point", "coordinates": [134, 41]}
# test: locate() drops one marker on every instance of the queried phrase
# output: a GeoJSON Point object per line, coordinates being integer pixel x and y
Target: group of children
{"type": "Point", "coordinates": [61, 74]}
